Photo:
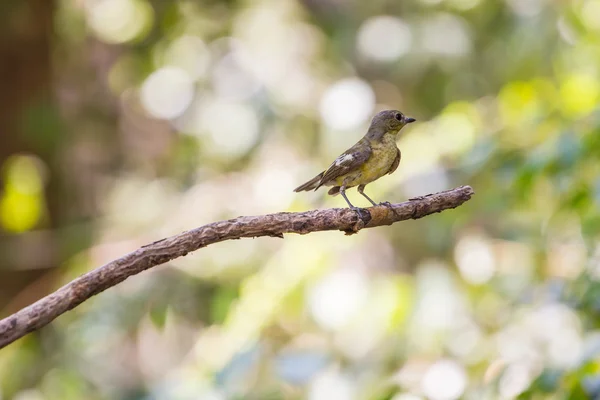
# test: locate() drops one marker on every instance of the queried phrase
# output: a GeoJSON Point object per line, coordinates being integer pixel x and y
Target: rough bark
{"type": "Point", "coordinates": [79, 290]}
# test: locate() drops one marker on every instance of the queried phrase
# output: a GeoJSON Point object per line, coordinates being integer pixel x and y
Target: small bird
{"type": "Point", "coordinates": [374, 156]}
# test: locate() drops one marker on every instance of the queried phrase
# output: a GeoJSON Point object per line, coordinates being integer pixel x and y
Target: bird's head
{"type": "Point", "coordinates": [387, 121]}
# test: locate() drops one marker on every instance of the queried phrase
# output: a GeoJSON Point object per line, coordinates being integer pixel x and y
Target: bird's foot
{"type": "Point", "coordinates": [363, 219]}
{"type": "Point", "coordinates": [361, 215]}
{"type": "Point", "coordinates": [389, 206]}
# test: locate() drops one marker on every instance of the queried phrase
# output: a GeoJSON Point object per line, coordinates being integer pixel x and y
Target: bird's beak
{"type": "Point", "coordinates": [409, 120]}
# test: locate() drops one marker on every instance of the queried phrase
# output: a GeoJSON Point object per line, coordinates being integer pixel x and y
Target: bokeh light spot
{"type": "Point", "coordinates": [231, 81]}
{"type": "Point", "coordinates": [119, 21]}
{"type": "Point", "coordinates": [19, 212]}
{"type": "Point", "coordinates": [590, 14]}
{"type": "Point", "coordinates": [384, 38]}
{"type": "Point", "coordinates": [22, 201]}
{"type": "Point", "coordinates": [331, 385]}
{"type": "Point", "coordinates": [454, 133]}
{"type": "Point", "coordinates": [336, 298]}
{"type": "Point", "coordinates": [444, 380]}
{"type": "Point", "coordinates": [167, 92]}
{"type": "Point", "coordinates": [526, 8]}
{"type": "Point", "coordinates": [274, 188]}
{"type": "Point", "coordinates": [232, 127]}
{"type": "Point", "coordinates": [475, 259]}
{"type": "Point", "coordinates": [518, 102]}
{"type": "Point", "coordinates": [515, 379]}
{"type": "Point", "coordinates": [579, 94]}
{"type": "Point", "coordinates": [23, 173]}
{"type": "Point", "coordinates": [445, 34]}
{"type": "Point", "coordinates": [347, 104]}
{"type": "Point", "coordinates": [406, 396]}
{"type": "Point", "coordinates": [188, 53]}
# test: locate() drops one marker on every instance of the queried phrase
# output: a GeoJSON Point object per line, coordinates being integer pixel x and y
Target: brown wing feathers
{"type": "Point", "coordinates": [347, 162]}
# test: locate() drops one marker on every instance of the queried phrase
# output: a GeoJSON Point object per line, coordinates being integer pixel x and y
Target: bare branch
{"type": "Point", "coordinates": [79, 290]}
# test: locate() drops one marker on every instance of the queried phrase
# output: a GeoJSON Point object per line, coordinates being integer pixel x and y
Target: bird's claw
{"type": "Point", "coordinates": [359, 212]}
{"type": "Point", "coordinates": [364, 216]}
{"type": "Point", "coordinates": [361, 222]}
{"type": "Point", "coordinates": [389, 206]}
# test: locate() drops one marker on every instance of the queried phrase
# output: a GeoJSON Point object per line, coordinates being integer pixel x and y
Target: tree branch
{"type": "Point", "coordinates": [79, 290]}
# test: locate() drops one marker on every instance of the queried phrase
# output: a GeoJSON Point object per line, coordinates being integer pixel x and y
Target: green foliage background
{"type": "Point", "coordinates": [160, 116]}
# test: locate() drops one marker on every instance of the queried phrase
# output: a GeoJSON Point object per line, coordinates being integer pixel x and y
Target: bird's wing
{"type": "Point", "coordinates": [396, 161]}
{"type": "Point", "coordinates": [349, 161]}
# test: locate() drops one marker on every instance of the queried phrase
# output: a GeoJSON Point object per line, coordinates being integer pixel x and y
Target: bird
{"type": "Point", "coordinates": [372, 157]}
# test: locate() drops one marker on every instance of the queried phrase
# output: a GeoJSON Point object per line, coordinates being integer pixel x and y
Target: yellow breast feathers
{"type": "Point", "coordinates": [381, 160]}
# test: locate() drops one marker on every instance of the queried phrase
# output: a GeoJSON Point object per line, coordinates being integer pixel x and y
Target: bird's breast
{"type": "Point", "coordinates": [383, 156]}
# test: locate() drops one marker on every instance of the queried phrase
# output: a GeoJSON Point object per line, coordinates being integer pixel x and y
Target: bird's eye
{"type": "Point", "coordinates": [398, 117]}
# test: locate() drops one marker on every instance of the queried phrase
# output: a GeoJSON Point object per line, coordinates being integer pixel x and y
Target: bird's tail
{"type": "Point", "coordinates": [310, 185]}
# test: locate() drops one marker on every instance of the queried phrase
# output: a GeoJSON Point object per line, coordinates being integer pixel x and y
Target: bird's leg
{"type": "Point", "coordinates": [361, 189]}
{"type": "Point", "coordinates": [343, 193]}
{"type": "Point", "coordinates": [355, 209]}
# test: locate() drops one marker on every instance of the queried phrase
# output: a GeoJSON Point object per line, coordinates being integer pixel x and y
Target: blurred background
{"type": "Point", "coordinates": [125, 121]}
